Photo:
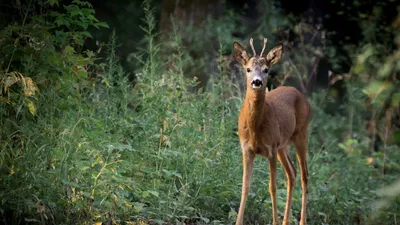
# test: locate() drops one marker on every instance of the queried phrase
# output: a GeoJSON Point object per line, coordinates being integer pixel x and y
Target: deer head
{"type": "Point", "coordinates": [258, 66]}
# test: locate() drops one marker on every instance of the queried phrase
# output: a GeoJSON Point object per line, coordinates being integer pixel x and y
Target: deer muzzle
{"type": "Point", "coordinates": [257, 82]}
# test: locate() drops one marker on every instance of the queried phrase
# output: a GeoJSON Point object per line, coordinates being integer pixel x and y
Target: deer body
{"type": "Point", "coordinates": [268, 123]}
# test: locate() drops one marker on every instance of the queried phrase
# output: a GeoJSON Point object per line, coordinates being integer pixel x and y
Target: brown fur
{"type": "Point", "coordinates": [268, 123]}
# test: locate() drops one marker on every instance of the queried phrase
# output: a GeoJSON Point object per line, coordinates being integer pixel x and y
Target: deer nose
{"type": "Point", "coordinates": [256, 82]}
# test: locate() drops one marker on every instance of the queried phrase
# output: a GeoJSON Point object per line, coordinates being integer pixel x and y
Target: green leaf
{"type": "Point", "coordinates": [342, 146]}
{"type": "Point", "coordinates": [75, 12]}
{"type": "Point", "coordinates": [52, 2]}
{"type": "Point", "coordinates": [155, 193]}
{"type": "Point", "coordinates": [84, 61]}
{"type": "Point", "coordinates": [386, 69]}
{"type": "Point", "coordinates": [32, 108]}
{"type": "Point", "coordinates": [82, 3]}
{"type": "Point", "coordinates": [92, 18]}
{"type": "Point", "coordinates": [68, 49]}
{"type": "Point", "coordinates": [145, 194]}
{"type": "Point", "coordinates": [59, 21]}
{"type": "Point", "coordinates": [86, 194]}
{"type": "Point", "coordinates": [86, 34]}
{"type": "Point", "coordinates": [101, 24]}
{"type": "Point", "coordinates": [368, 51]}
{"type": "Point", "coordinates": [90, 54]}
{"type": "Point", "coordinates": [83, 74]}
{"type": "Point", "coordinates": [79, 41]}
{"type": "Point", "coordinates": [158, 221]}
{"type": "Point", "coordinates": [138, 207]}
{"type": "Point", "coordinates": [70, 183]}
{"type": "Point", "coordinates": [206, 220]}
{"type": "Point", "coordinates": [396, 99]}
{"type": "Point", "coordinates": [105, 81]}
{"type": "Point", "coordinates": [89, 13]}
{"type": "Point", "coordinates": [167, 172]}
{"type": "Point", "coordinates": [375, 88]}
{"type": "Point", "coordinates": [396, 137]}
{"type": "Point", "coordinates": [178, 175]}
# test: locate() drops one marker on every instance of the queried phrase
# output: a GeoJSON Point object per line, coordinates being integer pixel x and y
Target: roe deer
{"type": "Point", "coordinates": [268, 123]}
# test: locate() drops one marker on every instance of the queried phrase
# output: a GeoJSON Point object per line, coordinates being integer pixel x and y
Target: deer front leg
{"type": "Point", "coordinates": [248, 160]}
{"type": "Point", "coordinates": [272, 187]}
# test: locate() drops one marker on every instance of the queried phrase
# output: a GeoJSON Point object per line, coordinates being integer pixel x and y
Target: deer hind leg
{"type": "Point", "coordinates": [248, 161]}
{"type": "Point", "coordinates": [272, 187]}
{"type": "Point", "coordinates": [283, 156]}
{"type": "Point", "coordinates": [300, 143]}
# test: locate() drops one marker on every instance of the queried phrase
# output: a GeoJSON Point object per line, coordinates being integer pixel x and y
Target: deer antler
{"type": "Point", "coordinates": [252, 47]}
{"type": "Point", "coordinates": [265, 44]}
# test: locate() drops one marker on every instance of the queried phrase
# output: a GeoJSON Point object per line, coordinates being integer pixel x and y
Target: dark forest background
{"type": "Point", "coordinates": [125, 112]}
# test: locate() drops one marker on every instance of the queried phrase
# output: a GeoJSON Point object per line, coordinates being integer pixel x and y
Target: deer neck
{"type": "Point", "coordinates": [255, 107]}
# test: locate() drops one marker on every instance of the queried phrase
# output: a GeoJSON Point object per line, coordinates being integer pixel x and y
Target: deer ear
{"type": "Point", "coordinates": [275, 54]}
{"type": "Point", "coordinates": [240, 53]}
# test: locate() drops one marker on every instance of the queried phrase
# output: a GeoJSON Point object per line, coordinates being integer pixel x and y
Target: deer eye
{"type": "Point", "coordinates": [266, 70]}
{"type": "Point", "coordinates": [248, 70]}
